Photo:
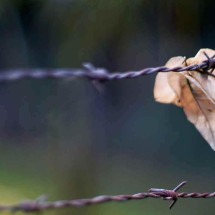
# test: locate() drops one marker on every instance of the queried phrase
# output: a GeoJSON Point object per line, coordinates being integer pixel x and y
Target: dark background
{"type": "Point", "coordinates": [65, 139]}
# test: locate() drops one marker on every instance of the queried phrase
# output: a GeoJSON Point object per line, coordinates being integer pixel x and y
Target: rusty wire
{"type": "Point", "coordinates": [98, 74]}
{"type": "Point", "coordinates": [42, 204]}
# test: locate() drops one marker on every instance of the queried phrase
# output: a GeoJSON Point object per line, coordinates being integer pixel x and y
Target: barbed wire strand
{"type": "Point", "coordinates": [99, 74]}
{"type": "Point", "coordinates": [42, 204]}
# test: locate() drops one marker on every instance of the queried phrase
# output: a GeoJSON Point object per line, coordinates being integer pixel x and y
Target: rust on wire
{"type": "Point", "coordinates": [98, 74]}
{"type": "Point", "coordinates": [42, 204]}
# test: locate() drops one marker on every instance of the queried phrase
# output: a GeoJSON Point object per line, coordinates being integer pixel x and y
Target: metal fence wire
{"type": "Point", "coordinates": [97, 74]}
{"type": "Point", "coordinates": [101, 75]}
{"type": "Point", "coordinates": [41, 204]}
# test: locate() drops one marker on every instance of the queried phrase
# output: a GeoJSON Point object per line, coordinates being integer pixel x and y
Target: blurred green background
{"type": "Point", "coordinates": [65, 139]}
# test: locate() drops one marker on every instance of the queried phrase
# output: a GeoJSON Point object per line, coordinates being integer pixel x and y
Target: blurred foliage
{"type": "Point", "coordinates": [65, 139]}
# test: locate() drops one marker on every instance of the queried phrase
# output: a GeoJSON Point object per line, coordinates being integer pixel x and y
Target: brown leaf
{"type": "Point", "coordinates": [193, 91]}
{"type": "Point", "coordinates": [168, 85]}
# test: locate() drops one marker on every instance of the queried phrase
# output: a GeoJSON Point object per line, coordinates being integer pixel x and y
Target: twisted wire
{"type": "Point", "coordinates": [92, 73]}
{"type": "Point", "coordinates": [43, 204]}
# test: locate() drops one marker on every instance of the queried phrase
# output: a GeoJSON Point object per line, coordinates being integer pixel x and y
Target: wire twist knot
{"type": "Point", "coordinates": [168, 194]}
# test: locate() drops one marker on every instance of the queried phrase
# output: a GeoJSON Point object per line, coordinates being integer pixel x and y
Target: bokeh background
{"type": "Point", "coordinates": [65, 139]}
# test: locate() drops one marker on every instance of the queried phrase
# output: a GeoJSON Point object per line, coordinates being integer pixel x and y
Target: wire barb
{"type": "Point", "coordinates": [210, 62]}
{"type": "Point", "coordinates": [169, 194]}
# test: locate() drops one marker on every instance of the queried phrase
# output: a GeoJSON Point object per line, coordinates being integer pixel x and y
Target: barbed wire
{"type": "Point", "coordinates": [100, 74]}
{"type": "Point", "coordinates": [41, 204]}
{"type": "Point", "coordinates": [93, 73]}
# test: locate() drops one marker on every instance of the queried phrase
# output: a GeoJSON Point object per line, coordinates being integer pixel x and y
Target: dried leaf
{"type": "Point", "coordinates": [193, 91]}
{"type": "Point", "coordinates": [168, 85]}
